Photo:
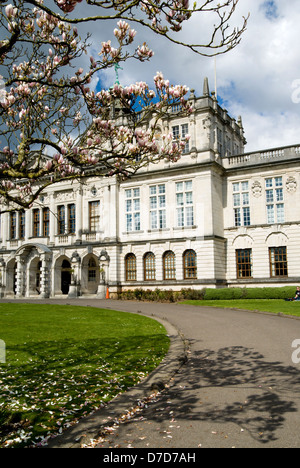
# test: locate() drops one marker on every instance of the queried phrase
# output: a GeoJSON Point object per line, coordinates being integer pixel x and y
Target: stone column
{"type": "Point", "coordinates": [79, 223]}
{"type": "Point", "coordinates": [2, 277]}
{"type": "Point", "coordinates": [103, 282]}
{"type": "Point", "coordinates": [45, 276]}
{"type": "Point", "coordinates": [20, 276]}
{"type": "Point", "coordinates": [74, 290]}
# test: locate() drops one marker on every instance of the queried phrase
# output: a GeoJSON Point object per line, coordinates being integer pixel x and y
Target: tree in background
{"type": "Point", "coordinates": [53, 126]}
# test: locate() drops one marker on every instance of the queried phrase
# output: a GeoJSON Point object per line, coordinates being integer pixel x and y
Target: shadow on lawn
{"type": "Point", "coordinates": [70, 378]}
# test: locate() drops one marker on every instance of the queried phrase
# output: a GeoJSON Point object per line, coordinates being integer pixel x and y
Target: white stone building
{"type": "Point", "coordinates": [217, 218]}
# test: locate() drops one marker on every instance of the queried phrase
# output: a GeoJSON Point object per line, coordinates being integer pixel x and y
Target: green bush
{"type": "Point", "coordinates": [228, 293]}
{"type": "Point", "coordinates": [250, 293]}
{"type": "Point", "coordinates": [162, 295]}
{"type": "Point", "coordinates": [270, 293]}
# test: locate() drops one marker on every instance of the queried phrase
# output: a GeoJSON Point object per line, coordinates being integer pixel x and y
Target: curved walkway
{"type": "Point", "coordinates": [238, 387]}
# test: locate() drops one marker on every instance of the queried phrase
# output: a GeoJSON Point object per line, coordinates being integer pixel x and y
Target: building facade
{"type": "Point", "coordinates": [219, 217]}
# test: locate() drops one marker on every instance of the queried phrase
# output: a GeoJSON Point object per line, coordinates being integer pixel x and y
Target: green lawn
{"type": "Point", "coordinates": [62, 362]}
{"type": "Point", "coordinates": [276, 306]}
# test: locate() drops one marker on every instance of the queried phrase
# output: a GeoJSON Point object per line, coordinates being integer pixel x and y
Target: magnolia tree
{"type": "Point", "coordinates": [53, 125]}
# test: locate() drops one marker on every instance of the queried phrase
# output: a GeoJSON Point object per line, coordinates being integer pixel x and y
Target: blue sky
{"type": "Point", "coordinates": [257, 80]}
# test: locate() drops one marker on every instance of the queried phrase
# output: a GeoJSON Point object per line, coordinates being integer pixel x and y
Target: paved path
{"type": "Point", "coordinates": [239, 387]}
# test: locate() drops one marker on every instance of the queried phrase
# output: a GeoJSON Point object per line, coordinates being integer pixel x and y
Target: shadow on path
{"type": "Point", "coordinates": [234, 385]}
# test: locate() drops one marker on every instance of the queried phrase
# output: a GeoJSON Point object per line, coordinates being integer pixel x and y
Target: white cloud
{"type": "Point", "coordinates": [255, 80]}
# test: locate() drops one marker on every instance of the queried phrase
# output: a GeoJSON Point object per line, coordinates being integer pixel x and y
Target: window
{"type": "Point", "coordinates": [13, 225]}
{"type": "Point", "coordinates": [36, 223]}
{"type": "Point", "coordinates": [92, 271]}
{"type": "Point", "coordinates": [184, 203]}
{"type": "Point", "coordinates": [190, 265]}
{"type": "Point", "coordinates": [274, 200]}
{"type": "Point", "coordinates": [169, 267]}
{"type": "Point", "coordinates": [130, 267]}
{"type": "Point", "coordinates": [241, 204]}
{"type": "Point", "coordinates": [132, 209]}
{"type": "Point", "coordinates": [149, 266]}
{"type": "Point", "coordinates": [158, 207]}
{"type": "Point", "coordinates": [244, 263]}
{"type": "Point", "coordinates": [179, 133]}
{"type": "Point", "coordinates": [61, 215]}
{"type": "Point", "coordinates": [94, 216]}
{"type": "Point", "coordinates": [22, 224]}
{"type": "Point", "coordinates": [46, 220]}
{"type": "Point", "coordinates": [278, 261]}
{"type": "Point", "coordinates": [220, 142]}
{"type": "Point", "coordinates": [71, 219]}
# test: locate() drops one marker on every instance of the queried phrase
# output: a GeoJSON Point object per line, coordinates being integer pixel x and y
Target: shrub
{"type": "Point", "coordinates": [228, 293]}
{"type": "Point", "coordinates": [250, 293]}
{"type": "Point", "coordinates": [270, 293]}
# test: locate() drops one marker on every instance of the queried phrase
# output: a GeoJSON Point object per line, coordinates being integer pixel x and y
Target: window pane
{"type": "Point", "coordinates": [189, 216]}
{"type": "Point", "coordinates": [179, 199]}
{"type": "Point", "coordinates": [278, 261]}
{"type": "Point", "coordinates": [179, 187]}
{"type": "Point", "coordinates": [270, 214]}
{"type": "Point", "coordinates": [244, 263]}
{"type": "Point", "coordinates": [245, 186]}
{"type": "Point", "coordinates": [280, 213]}
{"type": "Point", "coordinates": [245, 199]}
{"type": "Point", "coordinates": [130, 267]}
{"type": "Point", "coordinates": [169, 266]}
{"type": "Point", "coordinates": [189, 198]}
{"type": "Point", "coordinates": [236, 199]}
{"type": "Point", "coordinates": [269, 196]}
{"type": "Point", "coordinates": [149, 267]}
{"type": "Point", "coordinates": [153, 219]}
{"type": "Point", "coordinates": [279, 195]}
{"type": "Point", "coordinates": [180, 217]}
{"type": "Point", "coordinates": [269, 183]}
{"type": "Point", "coordinates": [190, 264]}
{"type": "Point", "coordinates": [246, 214]}
{"type": "Point", "coordinates": [237, 217]}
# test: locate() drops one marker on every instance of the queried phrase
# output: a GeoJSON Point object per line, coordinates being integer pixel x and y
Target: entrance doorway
{"type": "Point", "coordinates": [65, 276]}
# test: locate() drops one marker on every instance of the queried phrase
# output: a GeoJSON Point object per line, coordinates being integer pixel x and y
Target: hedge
{"type": "Point", "coordinates": [250, 293]}
{"type": "Point", "coordinates": [161, 295]}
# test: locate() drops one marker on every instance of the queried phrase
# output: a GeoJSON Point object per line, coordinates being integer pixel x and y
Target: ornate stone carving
{"type": "Point", "coordinates": [256, 189]}
{"type": "Point", "coordinates": [291, 184]}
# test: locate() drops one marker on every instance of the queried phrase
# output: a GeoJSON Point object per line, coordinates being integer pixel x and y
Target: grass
{"type": "Point", "coordinates": [63, 362]}
{"type": "Point", "coordinates": [275, 306]}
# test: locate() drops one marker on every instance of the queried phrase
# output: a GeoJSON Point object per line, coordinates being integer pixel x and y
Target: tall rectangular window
{"type": "Point", "coordinates": [22, 224]}
{"type": "Point", "coordinates": [158, 206]}
{"type": "Point", "coordinates": [241, 204]}
{"type": "Point", "coordinates": [278, 261]}
{"type": "Point", "coordinates": [244, 263]}
{"type": "Point", "coordinates": [61, 220]}
{"type": "Point", "coordinates": [46, 222]}
{"type": "Point", "coordinates": [179, 133]}
{"type": "Point", "coordinates": [94, 216]}
{"type": "Point", "coordinates": [184, 204]}
{"type": "Point", "coordinates": [36, 223]}
{"type": "Point", "coordinates": [13, 225]}
{"type": "Point", "coordinates": [275, 200]}
{"type": "Point", "coordinates": [72, 218]}
{"type": "Point", "coordinates": [133, 209]}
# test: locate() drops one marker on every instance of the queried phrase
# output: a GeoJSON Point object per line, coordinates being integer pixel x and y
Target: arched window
{"type": "Point", "coordinates": [169, 267]}
{"type": "Point", "coordinates": [130, 267]}
{"type": "Point", "coordinates": [149, 266]}
{"type": "Point", "coordinates": [190, 264]}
